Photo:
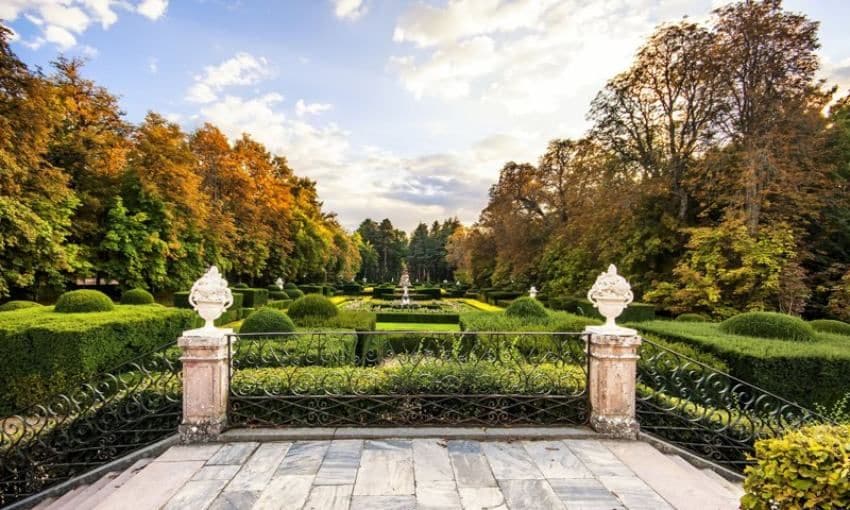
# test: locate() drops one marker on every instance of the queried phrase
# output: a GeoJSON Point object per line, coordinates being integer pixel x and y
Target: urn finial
{"type": "Point", "coordinates": [210, 297]}
{"type": "Point", "coordinates": [610, 294]}
{"type": "Point", "coordinates": [532, 292]}
{"type": "Point", "coordinates": [279, 283]}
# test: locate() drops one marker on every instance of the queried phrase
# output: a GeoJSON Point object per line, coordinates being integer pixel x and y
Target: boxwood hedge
{"type": "Point", "coordinates": [136, 297]}
{"type": "Point", "coordinates": [83, 301]}
{"type": "Point", "coordinates": [635, 312]}
{"type": "Point", "coordinates": [831, 326]}
{"type": "Point", "coordinates": [17, 305]}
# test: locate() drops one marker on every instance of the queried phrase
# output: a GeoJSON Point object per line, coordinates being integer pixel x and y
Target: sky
{"type": "Point", "coordinates": [398, 109]}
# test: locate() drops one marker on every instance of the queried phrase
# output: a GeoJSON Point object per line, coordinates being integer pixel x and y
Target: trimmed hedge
{"type": "Point", "coordinates": [294, 293]}
{"type": "Point", "coordinates": [278, 294]}
{"type": "Point", "coordinates": [313, 305]}
{"type": "Point", "coordinates": [352, 289]}
{"type": "Point", "coordinates": [254, 298]}
{"type": "Point", "coordinates": [831, 326]}
{"type": "Point", "coordinates": [693, 317]}
{"type": "Point", "coordinates": [806, 468]}
{"type": "Point", "coordinates": [635, 312]}
{"type": "Point", "coordinates": [240, 286]}
{"type": "Point", "coordinates": [137, 297]}
{"type": "Point", "coordinates": [430, 292]}
{"type": "Point", "coordinates": [345, 319]}
{"type": "Point", "coordinates": [83, 301]}
{"type": "Point", "coordinates": [418, 318]}
{"type": "Point", "coordinates": [45, 352]}
{"type": "Point", "coordinates": [769, 325]}
{"type": "Point", "coordinates": [17, 305]}
{"type": "Point", "coordinates": [526, 307]}
{"type": "Point", "coordinates": [279, 304]}
{"type": "Point", "coordinates": [312, 289]}
{"type": "Point", "coordinates": [267, 320]}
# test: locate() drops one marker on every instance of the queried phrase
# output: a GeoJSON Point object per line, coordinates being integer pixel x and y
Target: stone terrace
{"type": "Point", "coordinates": [412, 473]}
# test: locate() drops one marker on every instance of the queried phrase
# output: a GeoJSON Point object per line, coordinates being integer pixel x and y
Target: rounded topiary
{"type": "Point", "coordinates": [136, 297]}
{"type": "Point", "coordinates": [769, 325]}
{"type": "Point", "coordinates": [827, 326]}
{"type": "Point", "coordinates": [241, 286]}
{"type": "Point", "coordinates": [289, 285]}
{"type": "Point", "coordinates": [293, 293]}
{"type": "Point", "coordinates": [693, 317]}
{"type": "Point", "coordinates": [267, 320]}
{"type": "Point", "coordinates": [85, 300]}
{"type": "Point", "coordinates": [526, 307]}
{"type": "Point", "coordinates": [17, 305]}
{"type": "Point", "coordinates": [312, 305]}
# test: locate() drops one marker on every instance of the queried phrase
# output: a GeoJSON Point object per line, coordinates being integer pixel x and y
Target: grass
{"type": "Point", "coordinates": [338, 300]}
{"type": "Point", "coordinates": [413, 326]}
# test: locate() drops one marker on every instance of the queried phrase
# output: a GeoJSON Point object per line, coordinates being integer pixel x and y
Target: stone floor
{"type": "Point", "coordinates": [354, 474]}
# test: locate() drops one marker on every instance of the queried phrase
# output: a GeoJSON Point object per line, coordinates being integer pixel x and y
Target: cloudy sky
{"type": "Point", "coordinates": [398, 109]}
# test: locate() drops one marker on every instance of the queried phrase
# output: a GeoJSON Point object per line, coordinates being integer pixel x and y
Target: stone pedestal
{"type": "Point", "coordinates": [611, 385]}
{"type": "Point", "coordinates": [205, 384]}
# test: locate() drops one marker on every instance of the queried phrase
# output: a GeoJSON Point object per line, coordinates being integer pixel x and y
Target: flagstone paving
{"type": "Point", "coordinates": [424, 474]}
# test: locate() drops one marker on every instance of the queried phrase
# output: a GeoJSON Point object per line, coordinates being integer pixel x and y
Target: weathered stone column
{"type": "Point", "coordinates": [611, 386]}
{"type": "Point", "coordinates": [206, 363]}
{"type": "Point", "coordinates": [612, 367]}
{"type": "Point", "coordinates": [205, 386]}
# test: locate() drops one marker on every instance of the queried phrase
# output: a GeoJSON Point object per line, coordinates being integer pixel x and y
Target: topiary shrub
{"type": "Point", "coordinates": [267, 320]}
{"type": "Point", "coordinates": [526, 307]}
{"type": "Point", "coordinates": [769, 325]}
{"type": "Point", "coordinates": [85, 300]}
{"type": "Point", "coordinates": [693, 317]}
{"type": "Point", "coordinates": [289, 285]}
{"type": "Point", "coordinates": [240, 286]}
{"type": "Point", "coordinates": [294, 293]}
{"type": "Point", "coordinates": [312, 305]}
{"type": "Point", "coordinates": [17, 305]}
{"type": "Point", "coordinates": [806, 468]}
{"type": "Point", "coordinates": [831, 326]}
{"type": "Point", "coordinates": [137, 297]}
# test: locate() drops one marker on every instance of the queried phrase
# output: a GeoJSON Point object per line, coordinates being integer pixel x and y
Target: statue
{"type": "Point", "coordinates": [404, 281]}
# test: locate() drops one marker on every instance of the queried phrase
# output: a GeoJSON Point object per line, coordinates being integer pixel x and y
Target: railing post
{"type": "Point", "coordinates": [612, 364]}
{"type": "Point", "coordinates": [206, 363]}
{"type": "Point", "coordinates": [611, 385]}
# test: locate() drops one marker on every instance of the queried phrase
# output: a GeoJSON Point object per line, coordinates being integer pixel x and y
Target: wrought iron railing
{"type": "Point", "coordinates": [390, 378]}
{"type": "Point", "coordinates": [136, 404]}
{"type": "Point", "coordinates": [706, 411]}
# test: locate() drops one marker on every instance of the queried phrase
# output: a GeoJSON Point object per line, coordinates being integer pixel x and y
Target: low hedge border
{"type": "Point", "coordinates": [635, 312]}
{"type": "Point", "coordinates": [419, 318]}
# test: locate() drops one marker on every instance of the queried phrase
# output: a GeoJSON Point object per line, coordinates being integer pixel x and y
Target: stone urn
{"type": "Point", "coordinates": [610, 294]}
{"type": "Point", "coordinates": [532, 292]}
{"type": "Point", "coordinates": [210, 297]}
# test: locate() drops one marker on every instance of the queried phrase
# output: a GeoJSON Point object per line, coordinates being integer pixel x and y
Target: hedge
{"type": "Point", "coordinates": [45, 352]}
{"type": "Point", "coordinates": [294, 293]}
{"type": "Point", "coordinates": [635, 312]}
{"type": "Point", "coordinates": [137, 297]}
{"type": "Point", "coordinates": [305, 347]}
{"type": "Point", "coordinates": [430, 292]}
{"type": "Point", "coordinates": [267, 320]}
{"type": "Point", "coordinates": [83, 301]}
{"type": "Point", "coordinates": [382, 292]}
{"type": "Point", "coordinates": [312, 305]}
{"type": "Point", "coordinates": [769, 325]}
{"type": "Point", "coordinates": [693, 317]}
{"type": "Point", "coordinates": [352, 289]}
{"type": "Point", "coordinates": [420, 318]}
{"type": "Point", "coordinates": [312, 289]}
{"type": "Point", "coordinates": [806, 372]}
{"type": "Point", "coordinates": [17, 305]}
{"type": "Point", "coordinates": [526, 307]}
{"type": "Point", "coordinates": [831, 326]}
{"type": "Point", "coordinates": [345, 319]}
{"type": "Point", "coordinates": [254, 298]}
{"type": "Point", "coordinates": [181, 300]}
{"type": "Point", "coordinates": [806, 468]}
{"type": "Point", "coordinates": [279, 304]}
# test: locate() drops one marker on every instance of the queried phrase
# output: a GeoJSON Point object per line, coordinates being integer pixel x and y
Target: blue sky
{"type": "Point", "coordinates": [398, 109]}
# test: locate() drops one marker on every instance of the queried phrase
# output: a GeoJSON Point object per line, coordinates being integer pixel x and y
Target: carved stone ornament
{"type": "Point", "coordinates": [532, 292]}
{"type": "Point", "coordinates": [210, 297]}
{"type": "Point", "coordinates": [279, 283]}
{"type": "Point", "coordinates": [610, 294]}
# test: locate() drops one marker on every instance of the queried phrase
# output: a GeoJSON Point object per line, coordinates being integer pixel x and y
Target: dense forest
{"type": "Point", "coordinates": [715, 175]}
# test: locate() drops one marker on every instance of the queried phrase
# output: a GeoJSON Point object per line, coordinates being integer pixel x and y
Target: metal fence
{"type": "Point", "coordinates": [134, 405]}
{"type": "Point", "coordinates": [396, 378]}
{"type": "Point", "coordinates": [709, 412]}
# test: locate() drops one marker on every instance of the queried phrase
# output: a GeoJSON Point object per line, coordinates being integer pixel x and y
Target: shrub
{"type": "Point", "coordinates": [84, 300]}
{"type": "Point", "coordinates": [181, 299]}
{"type": "Point", "coordinates": [769, 325]}
{"type": "Point", "coordinates": [311, 289]}
{"type": "Point", "coordinates": [17, 305]}
{"type": "Point", "coordinates": [830, 326]}
{"type": "Point", "coordinates": [635, 312]}
{"type": "Point", "coordinates": [313, 305]}
{"type": "Point", "coordinates": [352, 289]}
{"type": "Point", "coordinates": [279, 304]}
{"type": "Point", "coordinates": [345, 319]}
{"type": "Point", "coordinates": [419, 318]}
{"type": "Point", "coordinates": [278, 294]}
{"type": "Point", "coordinates": [806, 468]}
{"type": "Point", "coordinates": [294, 293]}
{"type": "Point", "coordinates": [267, 320]}
{"type": "Point", "coordinates": [289, 286]}
{"type": "Point", "coordinates": [693, 317]}
{"type": "Point", "coordinates": [526, 307]}
{"type": "Point", "coordinates": [44, 352]}
{"type": "Point", "coordinates": [254, 298]}
{"type": "Point", "coordinates": [241, 286]}
{"type": "Point", "coordinates": [137, 297]}
{"type": "Point", "coordinates": [430, 292]}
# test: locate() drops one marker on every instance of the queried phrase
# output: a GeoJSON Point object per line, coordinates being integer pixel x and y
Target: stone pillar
{"type": "Point", "coordinates": [611, 386]}
{"type": "Point", "coordinates": [205, 384]}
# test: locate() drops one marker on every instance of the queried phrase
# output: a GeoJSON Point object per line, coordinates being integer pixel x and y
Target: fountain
{"type": "Point", "coordinates": [404, 281]}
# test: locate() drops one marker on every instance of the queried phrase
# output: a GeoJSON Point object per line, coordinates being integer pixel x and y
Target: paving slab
{"type": "Point", "coordinates": [510, 461]}
{"type": "Point", "coordinates": [329, 497]}
{"type": "Point", "coordinates": [470, 467]}
{"type": "Point", "coordinates": [555, 460]}
{"type": "Point", "coordinates": [585, 494]}
{"type": "Point", "coordinates": [383, 503]}
{"type": "Point", "coordinates": [530, 495]}
{"type": "Point", "coordinates": [303, 458]}
{"type": "Point", "coordinates": [185, 452]}
{"type": "Point", "coordinates": [233, 453]}
{"type": "Point", "coordinates": [386, 469]}
{"type": "Point", "coordinates": [482, 498]}
{"type": "Point", "coordinates": [431, 460]}
{"type": "Point", "coordinates": [259, 468]}
{"type": "Point", "coordinates": [287, 492]}
{"type": "Point", "coordinates": [340, 464]}
{"type": "Point", "coordinates": [151, 487]}
{"type": "Point", "coordinates": [235, 500]}
{"type": "Point", "coordinates": [195, 494]}
{"type": "Point", "coordinates": [437, 495]}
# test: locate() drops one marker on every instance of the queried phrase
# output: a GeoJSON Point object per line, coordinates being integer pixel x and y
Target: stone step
{"type": "Point", "coordinates": [62, 502]}
{"type": "Point", "coordinates": [699, 473]}
{"type": "Point", "coordinates": [736, 489]}
{"type": "Point", "coordinates": [683, 488]}
{"type": "Point", "coordinates": [84, 499]}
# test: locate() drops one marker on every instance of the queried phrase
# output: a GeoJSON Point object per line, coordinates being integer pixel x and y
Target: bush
{"type": "Point", "coordinates": [345, 319]}
{"type": "Point", "coordinates": [294, 293]}
{"type": "Point", "coordinates": [526, 307]}
{"type": "Point", "coordinates": [430, 292]}
{"type": "Point", "coordinates": [806, 468]}
{"type": "Point", "coordinates": [693, 317]}
{"type": "Point", "coordinates": [278, 294]}
{"type": "Point", "coordinates": [17, 305]}
{"type": "Point", "coordinates": [383, 292]}
{"type": "Point", "coordinates": [635, 312]}
{"type": "Point", "coordinates": [137, 297]}
{"type": "Point", "coordinates": [313, 305]}
{"type": "Point", "coordinates": [254, 298]}
{"type": "Point", "coordinates": [267, 320]}
{"type": "Point", "coordinates": [419, 318]}
{"type": "Point", "coordinates": [830, 326]}
{"type": "Point", "coordinates": [241, 286]}
{"type": "Point", "coordinates": [289, 286]}
{"type": "Point", "coordinates": [352, 289]}
{"type": "Point", "coordinates": [279, 304]}
{"type": "Point", "coordinates": [311, 289]}
{"type": "Point", "coordinates": [83, 301]}
{"type": "Point", "coordinates": [769, 325]}
{"type": "Point", "coordinates": [181, 299]}
{"type": "Point", "coordinates": [45, 352]}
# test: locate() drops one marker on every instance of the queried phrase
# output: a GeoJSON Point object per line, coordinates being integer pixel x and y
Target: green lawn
{"type": "Point", "coordinates": [415, 326]}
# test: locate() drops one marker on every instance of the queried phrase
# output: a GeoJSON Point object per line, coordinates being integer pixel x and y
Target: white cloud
{"type": "Point", "coordinates": [302, 108]}
{"type": "Point", "coordinates": [63, 21]}
{"type": "Point", "coordinates": [153, 65]}
{"type": "Point", "coordinates": [349, 9]}
{"type": "Point", "coordinates": [242, 69]}
{"type": "Point", "coordinates": [153, 9]}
